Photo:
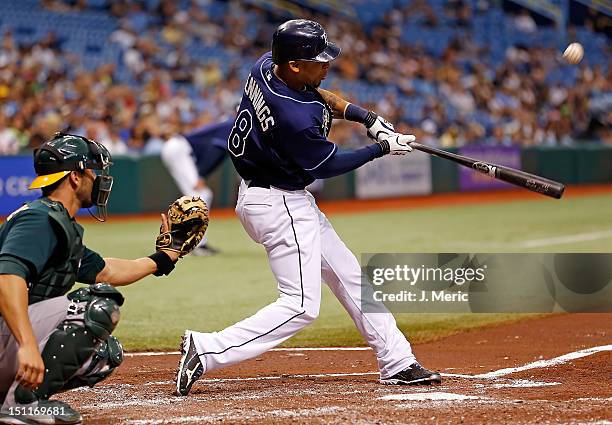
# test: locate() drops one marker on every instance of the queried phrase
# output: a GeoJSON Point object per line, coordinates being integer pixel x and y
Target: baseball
{"type": "Point", "coordinates": [573, 54]}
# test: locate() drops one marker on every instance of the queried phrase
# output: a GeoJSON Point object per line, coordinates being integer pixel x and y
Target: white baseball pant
{"type": "Point", "coordinates": [302, 249]}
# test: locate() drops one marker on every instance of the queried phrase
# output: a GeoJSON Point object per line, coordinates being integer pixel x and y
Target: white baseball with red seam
{"type": "Point", "coordinates": [573, 53]}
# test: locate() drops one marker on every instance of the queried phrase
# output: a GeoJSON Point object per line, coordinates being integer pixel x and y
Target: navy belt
{"type": "Point", "coordinates": [255, 183]}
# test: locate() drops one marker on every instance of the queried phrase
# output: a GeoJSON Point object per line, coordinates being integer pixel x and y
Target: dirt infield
{"type": "Point", "coordinates": [555, 369]}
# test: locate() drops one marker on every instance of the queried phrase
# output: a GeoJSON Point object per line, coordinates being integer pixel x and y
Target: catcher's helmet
{"type": "Point", "coordinates": [56, 158]}
{"type": "Point", "coordinates": [65, 153]}
{"type": "Point", "coordinates": [301, 39]}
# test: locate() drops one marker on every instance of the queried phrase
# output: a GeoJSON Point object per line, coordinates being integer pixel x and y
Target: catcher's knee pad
{"type": "Point", "coordinates": [106, 358]}
{"type": "Point", "coordinates": [101, 317]}
{"type": "Point", "coordinates": [99, 305]}
{"type": "Point", "coordinates": [92, 316]}
{"type": "Point", "coordinates": [103, 290]}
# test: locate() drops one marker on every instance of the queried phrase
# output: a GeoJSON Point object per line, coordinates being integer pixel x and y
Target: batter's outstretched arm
{"type": "Point", "coordinates": [344, 161]}
{"type": "Point", "coordinates": [334, 161]}
{"type": "Point", "coordinates": [378, 128]}
{"type": "Point", "coordinates": [335, 102]}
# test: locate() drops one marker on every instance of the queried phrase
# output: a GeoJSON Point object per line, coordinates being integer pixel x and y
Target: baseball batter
{"type": "Point", "coordinates": [279, 145]}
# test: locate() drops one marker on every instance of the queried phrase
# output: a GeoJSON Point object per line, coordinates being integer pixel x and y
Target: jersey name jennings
{"type": "Point", "coordinates": [264, 115]}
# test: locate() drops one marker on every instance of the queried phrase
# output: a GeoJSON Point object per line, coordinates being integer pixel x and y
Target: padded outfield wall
{"type": "Point", "coordinates": [143, 185]}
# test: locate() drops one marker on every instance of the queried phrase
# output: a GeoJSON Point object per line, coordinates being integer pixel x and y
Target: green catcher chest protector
{"type": "Point", "coordinates": [59, 275]}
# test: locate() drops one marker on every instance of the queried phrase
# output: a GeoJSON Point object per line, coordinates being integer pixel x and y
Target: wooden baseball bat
{"type": "Point", "coordinates": [510, 175]}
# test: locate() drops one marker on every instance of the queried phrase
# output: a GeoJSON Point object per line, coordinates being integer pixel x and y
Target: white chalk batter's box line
{"type": "Point", "coordinates": [489, 375]}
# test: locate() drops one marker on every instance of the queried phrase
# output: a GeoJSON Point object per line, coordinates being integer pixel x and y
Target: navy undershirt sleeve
{"type": "Point", "coordinates": [343, 161]}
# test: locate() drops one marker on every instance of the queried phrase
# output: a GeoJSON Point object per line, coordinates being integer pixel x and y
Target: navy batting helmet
{"type": "Point", "coordinates": [301, 39]}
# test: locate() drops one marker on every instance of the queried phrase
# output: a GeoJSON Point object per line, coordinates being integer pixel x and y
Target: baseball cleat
{"type": "Point", "coordinates": [190, 368]}
{"type": "Point", "coordinates": [415, 374]}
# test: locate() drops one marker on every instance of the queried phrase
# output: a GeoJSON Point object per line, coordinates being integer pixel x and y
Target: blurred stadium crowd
{"type": "Point", "coordinates": [132, 73]}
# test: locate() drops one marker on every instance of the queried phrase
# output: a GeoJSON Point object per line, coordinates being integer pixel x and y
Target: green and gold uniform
{"type": "Point", "coordinates": [41, 243]}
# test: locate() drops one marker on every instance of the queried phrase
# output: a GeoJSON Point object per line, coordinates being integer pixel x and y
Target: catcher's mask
{"type": "Point", "coordinates": [56, 158]}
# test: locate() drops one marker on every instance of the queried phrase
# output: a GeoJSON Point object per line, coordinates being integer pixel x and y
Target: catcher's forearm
{"type": "Point", "coordinates": [335, 102]}
{"type": "Point", "coordinates": [14, 308]}
{"type": "Point", "coordinates": [119, 272]}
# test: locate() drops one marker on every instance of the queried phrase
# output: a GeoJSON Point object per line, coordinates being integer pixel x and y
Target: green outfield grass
{"type": "Point", "coordinates": [208, 294]}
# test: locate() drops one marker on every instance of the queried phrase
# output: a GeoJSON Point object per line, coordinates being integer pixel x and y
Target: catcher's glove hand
{"type": "Point", "coordinates": [187, 220]}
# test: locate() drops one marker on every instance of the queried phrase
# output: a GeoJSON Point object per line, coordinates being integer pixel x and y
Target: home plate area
{"type": "Point", "coordinates": [556, 369]}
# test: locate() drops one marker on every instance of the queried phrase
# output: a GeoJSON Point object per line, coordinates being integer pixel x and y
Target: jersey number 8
{"type": "Point", "coordinates": [240, 132]}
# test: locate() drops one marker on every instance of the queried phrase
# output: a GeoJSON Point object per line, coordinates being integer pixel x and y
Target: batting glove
{"type": "Point", "coordinates": [378, 127]}
{"type": "Point", "coordinates": [396, 144]}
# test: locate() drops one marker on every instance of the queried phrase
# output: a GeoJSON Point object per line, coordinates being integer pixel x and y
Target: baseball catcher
{"type": "Point", "coordinates": [52, 340]}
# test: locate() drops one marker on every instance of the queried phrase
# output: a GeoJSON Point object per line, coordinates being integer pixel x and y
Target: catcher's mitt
{"type": "Point", "coordinates": [187, 221]}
